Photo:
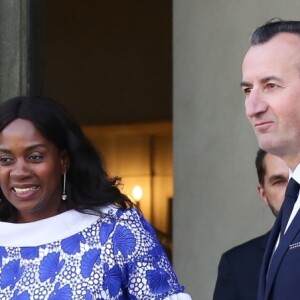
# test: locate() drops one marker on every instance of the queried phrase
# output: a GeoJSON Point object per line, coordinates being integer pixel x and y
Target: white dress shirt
{"type": "Point", "coordinates": [296, 177]}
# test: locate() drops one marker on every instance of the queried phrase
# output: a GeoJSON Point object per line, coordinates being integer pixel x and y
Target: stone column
{"type": "Point", "coordinates": [13, 48]}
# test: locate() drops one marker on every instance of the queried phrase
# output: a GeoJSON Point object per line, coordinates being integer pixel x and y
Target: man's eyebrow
{"type": "Point", "coordinates": [269, 78]}
{"type": "Point", "coordinates": [263, 80]}
{"type": "Point", "coordinates": [276, 177]}
{"type": "Point", "coordinates": [244, 83]}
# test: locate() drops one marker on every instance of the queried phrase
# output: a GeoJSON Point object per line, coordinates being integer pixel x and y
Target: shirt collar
{"type": "Point", "coordinates": [295, 174]}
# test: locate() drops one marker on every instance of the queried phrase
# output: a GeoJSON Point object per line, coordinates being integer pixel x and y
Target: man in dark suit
{"type": "Point", "coordinates": [239, 267]}
{"type": "Point", "coordinates": [271, 83]}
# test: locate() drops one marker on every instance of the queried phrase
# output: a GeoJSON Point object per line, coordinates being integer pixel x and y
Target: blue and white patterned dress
{"type": "Point", "coordinates": [83, 256]}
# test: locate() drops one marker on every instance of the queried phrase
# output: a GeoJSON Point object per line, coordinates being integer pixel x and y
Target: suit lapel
{"type": "Point", "coordinates": [264, 240]}
{"type": "Point", "coordinates": [283, 246]}
{"type": "Point", "coordinates": [267, 256]}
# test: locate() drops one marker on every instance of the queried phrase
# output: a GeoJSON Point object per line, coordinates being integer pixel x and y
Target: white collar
{"type": "Point", "coordinates": [295, 174]}
{"type": "Point", "coordinates": [45, 231]}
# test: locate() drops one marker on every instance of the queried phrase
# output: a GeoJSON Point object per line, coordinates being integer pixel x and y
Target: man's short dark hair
{"type": "Point", "coordinates": [273, 27]}
{"type": "Point", "coordinates": [260, 165]}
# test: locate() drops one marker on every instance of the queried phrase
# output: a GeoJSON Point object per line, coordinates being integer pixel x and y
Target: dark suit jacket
{"type": "Point", "coordinates": [238, 273]}
{"type": "Point", "coordinates": [280, 280]}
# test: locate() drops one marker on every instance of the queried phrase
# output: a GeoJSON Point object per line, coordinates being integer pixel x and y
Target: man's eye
{"type": "Point", "coordinates": [271, 85]}
{"type": "Point", "coordinates": [279, 182]}
{"type": "Point", "coordinates": [247, 91]}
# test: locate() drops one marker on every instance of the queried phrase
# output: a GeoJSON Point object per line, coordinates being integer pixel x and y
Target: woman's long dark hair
{"type": "Point", "coordinates": [88, 185]}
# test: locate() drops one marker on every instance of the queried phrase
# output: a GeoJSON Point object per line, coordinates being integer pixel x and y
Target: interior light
{"type": "Point", "coordinates": [137, 193]}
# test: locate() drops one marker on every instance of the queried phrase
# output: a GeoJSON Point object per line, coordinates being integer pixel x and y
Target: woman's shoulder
{"type": "Point", "coordinates": [129, 217]}
{"type": "Point", "coordinates": [121, 215]}
{"type": "Point", "coordinates": [126, 222]}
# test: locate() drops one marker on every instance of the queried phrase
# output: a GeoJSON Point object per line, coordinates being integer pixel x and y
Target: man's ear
{"type": "Point", "coordinates": [262, 194]}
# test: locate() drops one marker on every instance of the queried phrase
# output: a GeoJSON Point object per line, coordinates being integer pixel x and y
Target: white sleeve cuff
{"type": "Point", "coordinates": [180, 296]}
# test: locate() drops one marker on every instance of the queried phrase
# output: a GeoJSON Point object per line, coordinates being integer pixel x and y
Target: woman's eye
{"type": "Point", "coordinates": [5, 160]}
{"type": "Point", "coordinates": [35, 157]}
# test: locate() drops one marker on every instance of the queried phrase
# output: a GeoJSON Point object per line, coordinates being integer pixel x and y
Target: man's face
{"type": "Point", "coordinates": [275, 182]}
{"type": "Point", "coordinates": [271, 83]}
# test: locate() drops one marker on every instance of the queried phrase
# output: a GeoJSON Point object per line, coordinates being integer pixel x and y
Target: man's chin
{"type": "Point", "coordinates": [267, 143]}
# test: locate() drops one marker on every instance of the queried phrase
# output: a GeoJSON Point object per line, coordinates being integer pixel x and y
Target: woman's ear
{"type": "Point", "coordinates": [65, 161]}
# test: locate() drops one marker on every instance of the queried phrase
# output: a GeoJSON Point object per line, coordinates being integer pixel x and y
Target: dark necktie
{"type": "Point", "coordinates": [290, 198]}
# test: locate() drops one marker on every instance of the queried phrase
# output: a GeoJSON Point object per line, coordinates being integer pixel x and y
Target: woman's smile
{"type": "Point", "coordinates": [25, 192]}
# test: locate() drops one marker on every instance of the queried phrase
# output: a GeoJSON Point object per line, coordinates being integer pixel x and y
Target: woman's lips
{"type": "Point", "coordinates": [25, 192]}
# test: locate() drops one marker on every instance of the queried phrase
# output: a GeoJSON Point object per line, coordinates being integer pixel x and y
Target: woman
{"type": "Point", "coordinates": [66, 230]}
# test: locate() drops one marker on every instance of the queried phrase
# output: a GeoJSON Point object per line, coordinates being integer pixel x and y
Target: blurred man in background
{"type": "Point", "coordinates": [239, 267]}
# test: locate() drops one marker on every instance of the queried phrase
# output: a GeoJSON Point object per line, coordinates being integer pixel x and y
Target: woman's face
{"type": "Point", "coordinates": [31, 169]}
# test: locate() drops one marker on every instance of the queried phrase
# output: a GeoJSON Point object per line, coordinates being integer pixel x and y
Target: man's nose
{"type": "Point", "coordinates": [255, 104]}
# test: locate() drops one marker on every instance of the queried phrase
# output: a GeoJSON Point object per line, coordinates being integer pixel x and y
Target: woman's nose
{"type": "Point", "coordinates": [20, 169]}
